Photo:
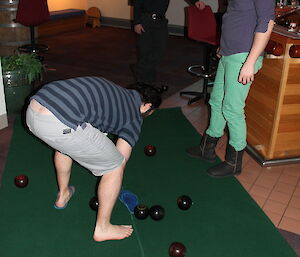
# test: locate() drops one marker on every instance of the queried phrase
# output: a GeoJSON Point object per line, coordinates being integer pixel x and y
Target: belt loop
{"type": "Point", "coordinates": [83, 125]}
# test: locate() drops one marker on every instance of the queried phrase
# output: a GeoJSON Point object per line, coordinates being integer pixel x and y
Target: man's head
{"type": "Point", "coordinates": [150, 96]}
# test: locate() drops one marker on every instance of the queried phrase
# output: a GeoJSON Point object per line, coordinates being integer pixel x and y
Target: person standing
{"type": "Point", "coordinates": [72, 116]}
{"type": "Point", "coordinates": [151, 26]}
{"type": "Point", "coordinates": [241, 58]}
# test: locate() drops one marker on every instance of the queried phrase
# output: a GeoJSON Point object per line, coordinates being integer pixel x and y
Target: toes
{"type": "Point", "coordinates": [129, 232]}
{"type": "Point", "coordinates": [127, 226]}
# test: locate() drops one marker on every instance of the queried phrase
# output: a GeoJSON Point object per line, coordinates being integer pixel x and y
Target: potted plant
{"type": "Point", "coordinates": [19, 72]}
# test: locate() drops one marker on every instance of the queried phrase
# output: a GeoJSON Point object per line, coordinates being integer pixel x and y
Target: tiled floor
{"type": "Point", "coordinates": [275, 189]}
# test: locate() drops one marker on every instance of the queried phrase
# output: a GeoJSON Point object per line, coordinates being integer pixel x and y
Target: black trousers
{"type": "Point", "coordinates": [151, 48]}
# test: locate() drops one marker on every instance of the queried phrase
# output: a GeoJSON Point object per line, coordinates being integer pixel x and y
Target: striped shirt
{"type": "Point", "coordinates": [105, 105]}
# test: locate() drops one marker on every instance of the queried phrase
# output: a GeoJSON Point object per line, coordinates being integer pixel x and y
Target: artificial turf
{"type": "Point", "coordinates": [223, 221]}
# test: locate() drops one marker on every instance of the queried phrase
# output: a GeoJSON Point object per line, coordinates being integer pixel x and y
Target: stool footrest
{"type": "Point", "coordinates": [203, 73]}
{"type": "Point", "coordinates": [33, 48]}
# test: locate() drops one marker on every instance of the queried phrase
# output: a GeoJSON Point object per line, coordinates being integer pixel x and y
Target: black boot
{"type": "Point", "coordinates": [231, 166]}
{"type": "Point", "coordinates": [206, 149]}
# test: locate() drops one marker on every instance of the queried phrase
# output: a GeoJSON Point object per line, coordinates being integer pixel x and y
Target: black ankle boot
{"type": "Point", "coordinates": [231, 166]}
{"type": "Point", "coordinates": [206, 149]}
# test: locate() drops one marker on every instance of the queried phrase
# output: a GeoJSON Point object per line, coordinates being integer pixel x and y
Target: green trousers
{"type": "Point", "coordinates": [227, 100]}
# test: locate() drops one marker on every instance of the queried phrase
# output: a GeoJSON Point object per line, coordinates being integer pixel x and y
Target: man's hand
{"type": "Point", "coordinates": [200, 5]}
{"type": "Point", "coordinates": [139, 29]}
{"type": "Point", "coordinates": [246, 74]}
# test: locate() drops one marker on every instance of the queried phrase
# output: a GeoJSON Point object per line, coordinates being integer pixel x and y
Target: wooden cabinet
{"type": "Point", "coordinates": [273, 104]}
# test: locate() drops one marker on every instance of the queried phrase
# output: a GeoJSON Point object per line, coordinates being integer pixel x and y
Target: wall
{"type": "Point", "coordinates": [55, 5]}
{"type": "Point", "coordinates": [176, 14]}
{"type": "Point", "coordinates": [3, 115]}
{"type": "Point", "coordinates": [120, 9]}
{"type": "Point", "coordinates": [112, 8]}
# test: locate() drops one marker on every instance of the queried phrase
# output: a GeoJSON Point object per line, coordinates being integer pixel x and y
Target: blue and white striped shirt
{"type": "Point", "coordinates": [105, 105]}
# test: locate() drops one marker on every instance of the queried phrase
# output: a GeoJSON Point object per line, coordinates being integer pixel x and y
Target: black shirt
{"type": "Point", "coordinates": [158, 7]}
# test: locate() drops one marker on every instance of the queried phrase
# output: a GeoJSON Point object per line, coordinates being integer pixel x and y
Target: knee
{"type": "Point", "coordinates": [232, 112]}
{"type": "Point", "coordinates": [215, 102]}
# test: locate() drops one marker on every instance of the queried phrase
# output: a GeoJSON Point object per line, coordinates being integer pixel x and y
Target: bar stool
{"type": "Point", "coordinates": [32, 13]}
{"type": "Point", "coordinates": [202, 27]}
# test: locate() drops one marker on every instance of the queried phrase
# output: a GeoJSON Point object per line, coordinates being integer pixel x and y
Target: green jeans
{"type": "Point", "coordinates": [227, 100]}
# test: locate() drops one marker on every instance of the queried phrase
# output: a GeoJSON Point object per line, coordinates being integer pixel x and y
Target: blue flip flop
{"type": "Point", "coordinates": [72, 192]}
{"type": "Point", "coordinates": [129, 199]}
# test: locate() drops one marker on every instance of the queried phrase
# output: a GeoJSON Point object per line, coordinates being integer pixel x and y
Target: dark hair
{"type": "Point", "coordinates": [149, 94]}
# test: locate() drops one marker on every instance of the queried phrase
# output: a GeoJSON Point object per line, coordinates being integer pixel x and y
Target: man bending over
{"type": "Point", "coordinates": [72, 116]}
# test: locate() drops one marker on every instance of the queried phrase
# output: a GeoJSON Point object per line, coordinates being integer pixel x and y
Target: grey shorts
{"type": "Point", "coordinates": [89, 147]}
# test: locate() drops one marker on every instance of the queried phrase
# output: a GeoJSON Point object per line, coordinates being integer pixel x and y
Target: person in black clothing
{"type": "Point", "coordinates": [151, 26]}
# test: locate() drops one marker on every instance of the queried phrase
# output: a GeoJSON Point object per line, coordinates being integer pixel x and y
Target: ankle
{"type": "Point", "coordinates": [103, 225]}
{"type": "Point", "coordinates": [64, 192]}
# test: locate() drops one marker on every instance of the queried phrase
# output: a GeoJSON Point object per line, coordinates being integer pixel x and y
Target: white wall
{"type": "Point", "coordinates": [112, 8]}
{"type": "Point", "coordinates": [55, 5]}
{"type": "Point", "coordinates": [176, 14]}
{"type": "Point", "coordinates": [3, 115]}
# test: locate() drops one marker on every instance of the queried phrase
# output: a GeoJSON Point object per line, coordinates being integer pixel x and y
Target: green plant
{"type": "Point", "coordinates": [27, 64]}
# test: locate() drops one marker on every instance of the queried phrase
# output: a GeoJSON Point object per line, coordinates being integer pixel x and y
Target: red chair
{"type": "Point", "coordinates": [202, 27]}
{"type": "Point", "coordinates": [32, 13]}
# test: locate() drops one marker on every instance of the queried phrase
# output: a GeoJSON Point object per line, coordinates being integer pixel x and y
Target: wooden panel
{"type": "Point", "coordinates": [254, 142]}
{"type": "Point", "coordinates": [260, 131]}
{"type": "Point", "coordinates": [265, 105]}
{"type": "Point", "coordinates": [289, 126]}
{"type": "Point", "coordinates": [264, 91]}
{"type": "Point", "coordinates": [287, 143]}
{"type": "Point", "coordinates": [268, 78]}
{"type": "Point", "coordinates": [289, 123]}
{"type": "Point", "coordinates": [290, 118]}
{"type": "Point", "coordinates": [259, 118]}
{"type": "Point", "coordinates": [294, 74]}
{"type": "Point", "coordinates": [291, 99]}
{"type": "Point", "coordinates": [261, 105]}
{"type": "Point", "coordinates": [273, 105]}
{"type": "Point", "coordinates": [255, 107]}
{"type": "Point", "coordinates": [286, 154]}
{"type": "Point", "coordinates": [259, 123]}
{"type": "Point", "coordinates": [290, 115]}
{"type": "Point", "coordinates": [288, 109]}
{"type": "Point", "coordinates": [292, 89]}
{"type": "Point", "coordinates": [266, 84]}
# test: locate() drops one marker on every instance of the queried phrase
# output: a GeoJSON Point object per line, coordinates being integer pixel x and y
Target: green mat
{"type": "Point", "coordinates": [223, 222]}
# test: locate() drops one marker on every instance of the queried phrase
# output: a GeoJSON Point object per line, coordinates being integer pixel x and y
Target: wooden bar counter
{"type": "Point", "coordinates": [273, 105]}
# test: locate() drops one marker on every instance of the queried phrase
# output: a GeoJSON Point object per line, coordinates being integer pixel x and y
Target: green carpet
{"type": "Point", "coordinates": [223, 222]}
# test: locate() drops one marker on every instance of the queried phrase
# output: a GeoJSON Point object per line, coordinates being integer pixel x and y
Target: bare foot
{"type": "Point", "coordinates": [64, 197]}
{"type": "Point", "coordinates": [112, 232]}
